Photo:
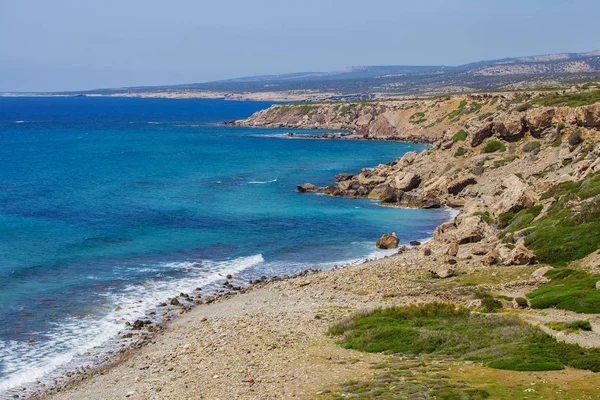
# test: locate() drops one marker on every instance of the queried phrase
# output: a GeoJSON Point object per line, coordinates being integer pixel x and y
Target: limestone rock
{"type": "Point", "coordinates": [540, 272]}
{"type": "Point", "coordinates": [453, 249]}
{"type": "Point", "coordinates": [366, 177]}
{"type": "Point", "coordinates": [307, 187]}
{"type": "Point", "coordinates": [480, 131]}
{"type": "Point", "coordinates": [383, 192]}
{"type": "Point", "coordinates": [343, 177]}
{"type": "Point", "coordinates": [520, 255]}
{"type": "Point", "coordinates": [589, 116]}
{"type": "Point", "coordinates": [388, 241]}
{"type": "Point", "coordinates": [457, 185]}
{"type": "Point", "coordinates": [405, 181]}
{"type": "Point", "coordinates": [442, 271]}
{"type": "Point", "coordinates": [491, 258]}
{"type": "Point", "coordinates": [364, 120]}
{"type": "Point", "coordinates": [539, 119]}
{"type": "Point", "coordinates": [509, 127]}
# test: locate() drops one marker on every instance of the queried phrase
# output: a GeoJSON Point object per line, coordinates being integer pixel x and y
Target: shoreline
{"type": "Point", "coordinates": [74, 373]}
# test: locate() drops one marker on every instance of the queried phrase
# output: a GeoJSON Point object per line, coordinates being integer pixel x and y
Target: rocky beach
{"type": "Point", "coordinates": [522, 169]}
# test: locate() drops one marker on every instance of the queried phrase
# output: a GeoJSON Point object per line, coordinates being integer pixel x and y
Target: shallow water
{"type": "Point", "coordinates": [108, 202]}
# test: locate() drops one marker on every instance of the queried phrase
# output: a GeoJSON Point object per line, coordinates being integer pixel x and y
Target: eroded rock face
{"type": "Point", "coordinates": [509, 127]}
{"type": "Point", "coordinates": [405, 181]}
{"type": "Point", "coordinates": [479, 131]}
{"type": "Point", "coordinates": [491, 258]}
{"type": "Point", "coordinates": [457, 185]}
{"type": "Point", "coordinates": [343, 177]}
{"type": "Point", "coordinates": [539, 119]}
{"type": "Point", "coordinates": [516, 195]}
{"type": "Point", "coordinates": [589, 116]}
{"type": "Point", "coordinates": [388, 241]}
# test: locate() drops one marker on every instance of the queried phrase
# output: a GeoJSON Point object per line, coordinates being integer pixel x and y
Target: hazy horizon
{"type": "Point", "coordinates": [67, 45]}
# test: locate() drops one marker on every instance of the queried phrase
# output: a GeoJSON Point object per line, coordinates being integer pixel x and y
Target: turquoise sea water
{"type": "Point", "coordinates": [108, 202]}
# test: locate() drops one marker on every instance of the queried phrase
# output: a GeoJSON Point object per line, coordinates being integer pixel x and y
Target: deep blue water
{"type": "Point", "coordinates": [108, 202]}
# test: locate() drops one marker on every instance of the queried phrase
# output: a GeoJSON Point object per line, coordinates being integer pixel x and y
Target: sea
{"type": "Point", "coordinates": [109, 206]}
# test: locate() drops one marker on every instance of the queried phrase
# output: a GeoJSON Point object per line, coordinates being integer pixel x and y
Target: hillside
{"type": "Point", "coordinates": [372, 82]}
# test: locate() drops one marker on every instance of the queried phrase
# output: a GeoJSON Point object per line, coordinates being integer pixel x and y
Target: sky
{"type": "Point", "coordinates": [76, 44]}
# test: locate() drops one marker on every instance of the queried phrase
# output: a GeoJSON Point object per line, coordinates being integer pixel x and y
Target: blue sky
{"type": "Point", "coordinates": [77, 44]}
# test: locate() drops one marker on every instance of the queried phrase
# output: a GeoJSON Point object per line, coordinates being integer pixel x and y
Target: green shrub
{"type": "Point", "coordinates": [522, 302]}
{"type": "Point", "coordinates": [460, 136]}
{"type": "Point", "coordinates": [568, 289]}
{"type": "Point", "coordinates": [485, 216]}
{"type": "Point", "coordinates": [492, 146]}
{"type": "Point", "coordinates": [497, 340]}
{"type": "Point", "coordinates": [575, 138]}
{"type": "Point", "coordinates": [459, 152]}
{"type": "Point", "coordinates": [523, 107]}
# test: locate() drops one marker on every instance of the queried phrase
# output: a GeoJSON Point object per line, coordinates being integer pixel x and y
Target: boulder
{"type": "Point", "coordinates": [307, 187]}
{"type": "Point", "coordinates": [457, 185]}
{"type": "Point", "coordinates": [491, 258]}
{"type": "Point", "coordinates": [509, 127]}
{"type": "Point", "coordinates": [383, 192]}
{"type": "Point", "coordinates": [589, 116]}
{"type": "Point", "coordinates": [452, 249]}
{"type": "Point", "coordinates": [388, 241]}
{"type": "Point", "coordinates": [539, 120]}
{"type": "Point", "coordinates": [442, 271]}
{"type": "Point", "coordinates": [405, 181]}
{"type": "Point", "coordinates": [520, 255]}
{"type": "Point", "coordinates": [469, 230]}
{"type": "Point", "coordinates": [413, 200]}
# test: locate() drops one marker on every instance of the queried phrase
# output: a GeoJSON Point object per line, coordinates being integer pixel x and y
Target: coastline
{"type": "Point", "coordinates": [129, 342]}
{"type": "Point", "coordinates": [253, 344]}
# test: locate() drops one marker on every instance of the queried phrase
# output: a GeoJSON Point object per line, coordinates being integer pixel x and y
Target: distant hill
{"type": "Point", "coordinates": [396, 80]}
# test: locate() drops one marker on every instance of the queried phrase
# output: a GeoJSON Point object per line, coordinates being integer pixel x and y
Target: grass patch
{"type": "Point", "coordinates": [496, 340]}
{"type": "Point", "coordinates": [492, 146]}
{"type": "Point", "coordinates": [570, 100]}
{"type": "Point", "coordinates": [459, 152]}
{"type": "Point", "coordinates": [460, 136]}
{"type": "Point", "coordinates": [568, 289]}
{"type": "Point", "coordinates": [574, 326]}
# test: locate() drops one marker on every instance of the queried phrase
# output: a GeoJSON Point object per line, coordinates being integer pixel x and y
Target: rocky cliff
{"type": "Point", "coordinates": [494, 156]}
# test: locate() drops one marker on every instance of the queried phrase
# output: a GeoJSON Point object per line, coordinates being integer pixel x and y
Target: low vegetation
{"type": "Point", "coordinates": [569, 229]}
{"type": "Point", "coordinates": [459, 136]}
{"type": "Point", "coordinates": [571, 100]}
{"type": "Point", "coordinates": [568, 289]}
{"type": "Point", "coordinates": [492, 146]}
{"type": "Point", "coordinates": [459, 152]}
{"type": "Point", "coordinates": [574, 326]}
{"type": "Point", "coordinates": [496, 340]}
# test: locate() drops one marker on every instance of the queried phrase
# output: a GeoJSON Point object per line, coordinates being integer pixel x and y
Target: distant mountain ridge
{"type": "Point", "coordinates": [395, 80]}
